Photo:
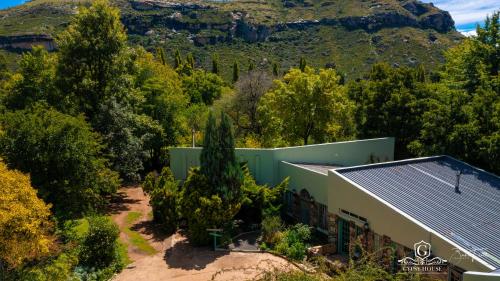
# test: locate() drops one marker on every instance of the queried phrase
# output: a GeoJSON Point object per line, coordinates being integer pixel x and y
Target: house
{"type": "Point", "coordinates": [436, 209]}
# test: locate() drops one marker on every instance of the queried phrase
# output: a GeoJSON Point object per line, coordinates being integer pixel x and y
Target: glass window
{"type": "Point", "coordinates": [322, 216]}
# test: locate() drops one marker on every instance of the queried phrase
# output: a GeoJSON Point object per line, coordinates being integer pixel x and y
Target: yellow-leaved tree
{"type": "Point", "coordinates": [24, 220]}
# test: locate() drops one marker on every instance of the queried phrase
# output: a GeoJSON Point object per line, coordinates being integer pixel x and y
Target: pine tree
{"type": "Point", "coordinates": [302, 64]}
{"type": "Point", "coordinates": [236, 72]}
{"type": "Point", "coordinates": [178, 59]}
{"type": "Point", "coordinates": [215, 65]}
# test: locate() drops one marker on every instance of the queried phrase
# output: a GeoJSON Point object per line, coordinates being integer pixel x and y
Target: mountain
{"type": "Point", "coordinates": [350, 35]}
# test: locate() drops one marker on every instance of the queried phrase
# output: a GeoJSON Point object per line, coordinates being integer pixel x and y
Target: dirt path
{"type": "Point", "coordinates": [174, 258]}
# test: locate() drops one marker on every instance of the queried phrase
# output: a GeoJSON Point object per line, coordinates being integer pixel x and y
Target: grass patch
{"type": "Point", "coordinates": [132, 217]}
{"type": "Point", "coordinates": [123, 253]}
{"type": "Point", "coordinates": [135, 238]}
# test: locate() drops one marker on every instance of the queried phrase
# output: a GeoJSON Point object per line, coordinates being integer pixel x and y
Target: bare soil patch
{"type": "Point", "coordinates": [175, 259]}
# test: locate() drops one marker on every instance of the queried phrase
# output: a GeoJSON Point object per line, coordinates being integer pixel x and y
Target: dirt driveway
{"type": "Point", "coordinates": [173, 258]}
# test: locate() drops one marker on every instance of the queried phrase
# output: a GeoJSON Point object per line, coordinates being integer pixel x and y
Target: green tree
{"type": "Point", "coordinates": [203, 209]}
{"type": "Point", "coordinates": [211, 153]}
{"type": "Point", "coordinates": [302, 64]}
{"type": "Point", "coordinates": [276, 69]}
{"type": "Point", "coordinates": [160, 52]}
{"type": "Point", "coordinates": [62, 155]}
{"type": "Point", "coordinates": [215, 65]}
{"type": "Point", "coordinates": [307, 105]}
{"type": "Point", "coordinates": [177, 59]}
{"type": "Point", "coordinates": [93, 57]}
{"type": "Point", "coordinates": [236, 72]}
{"type": "Point", "coordinates": [391, 102]}
{"type": "Point", "coordinates": [202, 87]}
{"type": "Point", "coordinates": [232, 176]}
{"type": "Point", "coordinates": [34, 81]}
{"type": "Point", "coordinates": [164, 101]}
{"type": "Point", "coordinates": [251, 65]}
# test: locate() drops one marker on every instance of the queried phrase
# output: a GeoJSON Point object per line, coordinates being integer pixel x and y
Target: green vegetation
{"type": "Point", "coordinates": [163, 191]}
{"type": "Point", "coordinates": [352, 49]}
{"type": "Point", "coordinates": [134, 238]}
{"type": "Point", "coordinates": [99, 111]}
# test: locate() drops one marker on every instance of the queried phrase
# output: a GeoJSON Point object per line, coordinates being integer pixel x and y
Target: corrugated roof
{"type": "Point", "coordinates": [320, 168]}
{"type": "Point", "coordinates": [424, 189]}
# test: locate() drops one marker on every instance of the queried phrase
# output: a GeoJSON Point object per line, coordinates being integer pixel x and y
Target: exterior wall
{"type": "Point", "coordinates": [315, 183]}
{"type": "Point", "coordinates": [382, 220]}
{"type": "Point", "coordinates": [264, 163]}
{"type": "Point", "coordinates": [480, 276]}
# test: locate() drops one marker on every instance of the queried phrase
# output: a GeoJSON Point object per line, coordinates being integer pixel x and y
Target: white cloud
{"type": "Point", "coordinates": [468, 33]}
{"type": "Point", "coordinates": [467, 11]}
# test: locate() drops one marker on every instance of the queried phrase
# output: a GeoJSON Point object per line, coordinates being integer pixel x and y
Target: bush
{"type": "Point", "coordinates": [57, 268]}
{"type": "Point", "coordinates": [163, 191]}
{"type": "Point", "coordinates": [292, 244]}
{"type": "Point", "coordinates": [271, 227]}
{"type": "Point", "coordinates": [99, 246]}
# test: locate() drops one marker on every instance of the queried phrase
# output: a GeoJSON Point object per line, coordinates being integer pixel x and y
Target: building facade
{"type": "Point", "coordinates": [357, 196]}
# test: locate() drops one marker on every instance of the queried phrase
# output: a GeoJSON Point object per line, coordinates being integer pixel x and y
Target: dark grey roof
{"type": "Point", "coordinates": [320, 168]}
{"type": "Point", "coordinates": [424, 189]}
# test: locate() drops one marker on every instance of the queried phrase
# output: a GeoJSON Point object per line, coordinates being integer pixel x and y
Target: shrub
{"type": "Point", "coordinates": [99, 246]}
{"type": "Point", "coordinates": [271, 227]}
{"type": "Point", "coordinates": [292, 244]}
{"type": "Point", "coordinates": [164, 197]}
{"type": "Point", "coordinates": [57, 268]}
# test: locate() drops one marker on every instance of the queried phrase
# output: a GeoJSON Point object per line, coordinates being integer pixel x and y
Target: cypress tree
{"type": "Point", "coordinates": [161, 55]}
{"type": "Point", "coordinates": [178, 59]}
{"type": "Point", "coordinates": [215, 65]}
{"type": "Point", "coordinates": [190, 60]}
{"type": "Point", "coordinates": [232, 175]}
{"type": "Point", "coordinates": [420, 73]}
{"type": "Point", "coordinates": [302, 64]}
{"type": "Point", "coordinates": [251, 66]}
{"type": "Point", "coordinates": [236, 72]}
{"type": "Point", "coordinates": [211, 154]}
{"type": "Point", "coordinates": [276, 69]}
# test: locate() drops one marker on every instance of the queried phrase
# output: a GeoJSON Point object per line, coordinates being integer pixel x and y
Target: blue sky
{"type": "Point", "coordinates": [467, 13]}
{"type": "Point", "coordinates": [10, 3]}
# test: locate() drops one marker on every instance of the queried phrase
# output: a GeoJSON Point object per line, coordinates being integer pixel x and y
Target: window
{"type": "Point", "coordinates": [322, 216]}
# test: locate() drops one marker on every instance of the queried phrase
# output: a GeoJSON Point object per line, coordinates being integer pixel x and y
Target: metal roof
{"type": "Point", "coordinates": [424, 189]}
{"type": "Point", "coordinates": [320, 168]}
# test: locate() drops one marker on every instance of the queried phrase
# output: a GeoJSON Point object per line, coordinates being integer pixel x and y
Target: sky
{"type": "Point", "coordinates": [466, 13]}
{"type": "Point", "coordinates": [9, 3]}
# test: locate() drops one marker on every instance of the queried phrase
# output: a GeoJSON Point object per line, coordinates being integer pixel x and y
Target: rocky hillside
{"type": "Point", "coordinates": [348, 34]}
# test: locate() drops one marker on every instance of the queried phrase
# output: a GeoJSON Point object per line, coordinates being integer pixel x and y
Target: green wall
{"type": "Point", "coordinates": [264, 163]}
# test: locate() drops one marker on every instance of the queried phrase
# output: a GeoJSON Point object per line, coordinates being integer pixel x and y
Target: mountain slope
{"type": "Point", "coordinates": [348, 34]}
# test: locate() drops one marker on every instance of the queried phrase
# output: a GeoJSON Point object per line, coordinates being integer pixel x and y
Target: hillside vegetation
{"type": "Point", "coordinates": [350, 35]}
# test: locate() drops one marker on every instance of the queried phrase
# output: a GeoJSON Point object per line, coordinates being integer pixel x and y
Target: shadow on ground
{"type": "Point", "coordinates": [152, 229]}
{"type": "Point", "coordinates": [185, 256]}
{"type": "Point", "coordinates": [120, 202]}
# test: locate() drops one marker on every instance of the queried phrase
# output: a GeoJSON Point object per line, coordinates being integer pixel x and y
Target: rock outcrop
{"type": "Point", "coordinates": [235, 24]}
{"type": "Point", "coordinates": [26, 42]}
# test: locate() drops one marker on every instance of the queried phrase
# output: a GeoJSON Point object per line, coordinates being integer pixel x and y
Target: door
{"type": "Point", "coordinates": [343, 236]}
